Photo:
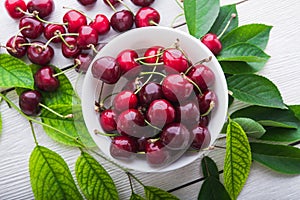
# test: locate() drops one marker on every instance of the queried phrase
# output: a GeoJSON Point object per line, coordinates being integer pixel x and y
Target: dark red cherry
{"type": "Point", "coordinates": [175, 59]}
{"type": "Point", "coordinates": [114, 3]}
{"type": "Point", "coordinates": [123, 147]}
{"type": "Point", "coordinates": [207, 101]}
{"type": "Point", "coordinates": [43, 7]}
{"type": "Point", "coordinates": [152, 54]}
{"type": "Point", "coordinates": [83, 62]}
{"type": "Point", "coordinates": [122, 20]}
{"type": "Point", "coordinates": [101, 24]}
{"type": "Point", "coordinates": [146, 16]}
{"type": "Point", "coordinates": [188, 113]}
{"type": "Point", "coordinates": [13, 8]}
{"type": "Point", "coordinates": [202, 75]}
{"type": "Point", "coordinates": [125, 100]}
{"type": "Point", "coordinates": [107, 120]}
{"type": "Point", "coordinates": [75, 20]}
{"type": "Point", "coordinates": [126, 60]}
{"type": "Point", "coordinates": [29, 102]}
{"type": "Point", "coordinates": [52, 30]}
{"type": "Point", "coordinates": [87, 36]}
{"type": "Point", "coordinates": [150, 92]}
{"type": "Point", "coordinates": [156, 154]}
{"type": "Point", "coordinates": [38, 54]}
{"type": "Point", "coordinates": [212, 42]}
{"type": "Point", "coordinates": [14, 46]}
{"type": "Point", "coordinates": [69, 47]}
{"type": "Point", "coordinates": [201, 137]}
{"type": "Point", "coordinates": [175, 136]}
{"type": "Point", "coordinates": [160, 113]}
{"type": "Point", "coordinates": [142, 3]}
{"type": "Point", "coordinates": [176, 88]}
{"type": "Point", "coordinates": [106, 69]}
{"type": "Point", "coordinates": [45, 80]}
{"type": "Point", "coordinates": [204, 121]}
{"type": "Point", "coordinates": [142, 142]}
{"type": "Point", "coordinates": [31, 27]}
{"type": "Point", "coordinates": [86, 2]}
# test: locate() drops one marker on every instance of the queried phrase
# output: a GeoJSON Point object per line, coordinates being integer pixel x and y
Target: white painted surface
{"type": "Point", "coordinates": [16, 142]}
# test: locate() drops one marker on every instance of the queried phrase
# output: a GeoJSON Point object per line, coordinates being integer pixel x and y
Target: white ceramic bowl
{"type": "Point", "coordinates": [144, 38]}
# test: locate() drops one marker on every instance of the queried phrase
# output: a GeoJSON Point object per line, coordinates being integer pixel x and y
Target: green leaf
{"type": "Point", "coordinates": [136, 197]}
{"type": "Point", "coordinates": [238, 67]}
{"type": "Point", "coordinates": [296, 110]}
{"type": "Point", "coordinates": [93, 179]}
{"type": "Point", "coordinates": [244, 52]}
{"type": "Point", "coordinates": [222, 20]}
{"type": "Point", "coordinates": [209, 167]}
{"type": "Point", "coordinates": [213, 189]}
{"type": "Point", "coordinates": [256, 34]}
{"type": "Point", "coordinates": [50, 176]}
{"type": "Point", "coordinates": [255, 90]}
{"type": "Point", "coordinates": [15, 73]}
{"type": "Point", "coordinates": [252, 128]}
{"type": "Point", "coordinates": [281, 158]}
{"type": "Point", "coordinates": [154, 193]}
{"type": "Point", "coordinates": [200, 15]}
{"type": "Point", "coordinates": [237, 160]}
{"type": "Point", "coordinates": [282, 134]}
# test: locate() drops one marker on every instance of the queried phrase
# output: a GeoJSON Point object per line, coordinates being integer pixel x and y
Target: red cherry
{"type": "Point", "coordinates": [142, 3]}
{"type": "Point", "coordinates": [125, 100]}
{"type": "Point", "coordinates": [34, 30]}
{"type": "Point", "coordinates": [69, 47]}
{"type": "Point", "coordinates": [212, 42]}
{"type": "Point", "coordinates": [175, 136]}
{"type": "Point", "coordinates": [204, 121]}
{"type": "Point", "coordinates": [202, 75]}
{"type": "Point", "coordinates": [75, 20]}
{"type": "Point", "coordinates": [38, 54]}
{"type": "Point", "coordinates": [114, 3]}
{"type": "Point", "coordinates": [107, 120]}
{"type": "Point", "coordinates": [86, 2]}
{"type": "Point", "coordinates": [52, 30]}
{"type": "Point", "coordinates": [84, 62]}
{"type": "Point", "coordinates": [188, 113]}
{"type": "Point", "coordinates": [126, 60]}
{"type": "Point", "coordinates": [43, 7]}
{"type": "Point", "coordinates": [123, 147]}
{"type": "Point", "coordinates": [146, 16]}
{"type": "Point", "coordinates": [175, 59]}
{"type": "Point", "coordinates": [156, 154]}
{"type": "Point", "coordinates": [29, 102]}
{"type": "Point", "coordinates": [87, 36]}
{"type": "Point", "coordinates": [101, 24]}
{"type": "Point", "coordinates": [14, 46]}
{"type": "Point", "coordinates": [206, 100]}
{"type": "Point", "coordinates": [122, 20]}
{"type": "Point", "coordinates": [152, 54]}
{"type": "Point", "coordinates": [150, 92]}
{"type": "Point", "coordinates": [45, 80]}
{"type": "Point", "coordinates": [13, 8]}
{"type": "Point", "coordinates": [201, 137]}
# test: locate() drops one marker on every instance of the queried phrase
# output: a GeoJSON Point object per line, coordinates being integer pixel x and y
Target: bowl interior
{"type": "Point", "coordinates": [145, 38]}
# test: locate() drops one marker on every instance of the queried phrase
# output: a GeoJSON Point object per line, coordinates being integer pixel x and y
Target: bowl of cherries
{"type": "Point", "coordinates": [154, 99]}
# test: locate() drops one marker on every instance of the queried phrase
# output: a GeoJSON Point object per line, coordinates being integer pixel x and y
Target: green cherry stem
{"type": "Point", "coordinates": [179, 4]}
{"type": "Point", "coordinates": [191, 81]}
{"type": "Point", "coordinates": [233, 15]}
{"type": "Point", "coordinates": [158, 73]}
{"type": "Point", "coordinates": [61, 36]}
{"type": "Point", "coordinates": [111, 6]}
{"type": "Point", "coordinates": [120, 1]}
{"type": "Point", "coordinates": [148, 123]}
{"type": "Point", "coordinates": [77, 62]}
{"type": "Point", "coordinates": [97, 132]}
{"type": "Point", "coordinates": [211, 106]}
{"type": "Point", "coordinates": [56, 113]}
{"type": "Point", "coordinates": [176, 18]}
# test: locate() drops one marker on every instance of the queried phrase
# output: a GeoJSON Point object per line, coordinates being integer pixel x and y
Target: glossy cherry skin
{"type": "Point", "coordinates": [45, 80]}
{"type": "Point", "coordinates": [13, 6]}
{"type": "Point", "coordinates": [202, 75]}
{"type": "Point", "coordinates": [107, 120]}
{"type": "Point", "coordinates": [176, 88]}
{"type": "Point", "coordinates": [142, 3]}
{"type": "Point", "coordinates": [175, 136]}
{"type": "Point", "coordinates": [43, 7]}
{"type": "Point", "coordinates": [71, 50]}
{"type": "Point", "coordinates": [83, 61]}
{"type": "Point", "coordinates": [212, 42]}
{"type": "Point", "coordinates": [201, 137]}
{"type": "Point", "coordinates": [122, 21]}
{"type": "Point", "coordinates": [146, 16]}
{"type": "Point", "coordinates": [204, 121]}
{"type": "Point", "coordinates": [150, 92]}
{"type": "Point", "coordinates": [29, 102]}
{"type": "Point", "coordinates": [37, 54]}
{"type": "Point", "coordinates": [123, 147]}
{"type": "Point", "coordinates": [126, 60]}
{"type": "Point", "coordinates": [86, 2]}
{"type": "Point", "coordinates": [52, 30]}
{"type": "Point", "coordinates": [131, 122]}
{"type": "Point", "coordinates": [101, 24]}
{"type": "Point", "coordinates": [156, 154]}
{"type": "Point", "coordinates": [160, 113]}
{"type": "Point", "coordinates": [125, 100]}
{"type": "Point", "coordinates": [152, 54]}
{"type": "Point", "coordinates": [106, 69]}
{"type": "Point", "coordinates": [14, 46]}
{"type": "Point", "coordinates": [87, 36]}
{"type": "Point", "coordinates": [206, 100]}
{"type": "Point", "coordinates": [35, 27]}
{"type": "Point", "coordinates": [75, 20]}
{"type": "Point", "coordinates": [188, 113]}
{"type": "Point", "coordinates": [175, 59]}
{"type": "Point", "coordinates": [112, 2]}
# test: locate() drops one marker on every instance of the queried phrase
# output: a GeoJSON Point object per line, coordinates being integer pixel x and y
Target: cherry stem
{"type": "Point", "coordinates": [135, 178]}
{"type": "Point", "coordinates": [15, 38]}
{"type": "Point", "coordinates": [111, 6]}
{"type": "Point", "coordinates": [148, 123]}
{"type": "Point", "coordinates": [91, 46]}
{"type": "Point", "coordinates": [60, 35]}
{"type": "Point", "coordinates": [36, 15]}
{"type": "Point", "coordinates": [56, 113]}
{"type": "Point", "coordinates": [179, 4]}
{"type": "Point", "coordinates": [33, 133]}
{"type": "Point", "coordinates": [233, 15]}
{"type": "Point", "coordinates": [101, 91]}
{"type": "Point", "coordinates": [191, 81]}
{"type": "Point", "coordinates": [211, 106]}
{"type": "Point", "coordinates": [77, 62]}
{"type": "Point", "coordinates": [97, 132]}
{"type": "Point", "coordinates": [158, 73]}
{"type": "Point", "coordinates": [101, 103]}
{"type": "Point", "coordinates": [124, 4]}
{"type": "Point", "coordinates": [199, 62]}
{"type": "Point", "coordinates": [176, 18]}
{"type": "Point", "coordinates": [151, 22]}
{"type": "Point", "coordinates": [152, 56]}
{"type": "Point", "coordinates": [81, 12]}
{"type": "Point", "coordinates": [130, 183]}
{"type": "Point", "coordinates": [241, 2]}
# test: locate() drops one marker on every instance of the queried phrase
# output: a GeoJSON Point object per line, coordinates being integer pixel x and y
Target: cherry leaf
{"type": "Point", "coordinates": [209, 167]}
{"type": "Point", "coordinates": [136, 197]}
{"type": "Point", "coordinates": [296, 110]}
{"type": "Point", "coordinates": [252, 128]}
{"type": "Point", "coordinates": [213, 189]}
{"type": "Point", "coordinates": [154, 193]}
{"type": "Point", "coordinates": [93, 179]}
{"type": "Point", "coordinates": [239, 67]}
{"type": "Point", "coordinates": [50, 176]}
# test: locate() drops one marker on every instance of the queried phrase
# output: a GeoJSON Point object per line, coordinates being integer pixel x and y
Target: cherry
{"type": "Point", "coordinates": [87, 36]}
{"type": "Point", "coordinates": [106, 69]}
{"type": "Point", "coordinates": [122, 20]}
{"type": "Point", "coordinates": [160, 113]}
{"type": "Point", "coordinates": [125, 100]}
{"type": "Point", "coordinates": [150, 92]}
{"type": "Point", "coordinates": [14, 46]}
{"type": "Point", "coordinates": [111, 2]}
{"type": "Point", "coordinates": [176, 88]}
{"type": "Point", "coordinates": [133, 85]}
{"type": "Point", "coordinates": [212, 42]}
{"type": "Point", "coordinates": [13, 8]}
{"type": "Point", "coordinates": [29, 102]}
{"type": "Point", "coordinates": [34, 30]}
{"type": "Point", "coordinates": [52, 30]}
{"type": "Point", "coordinates": [142, 142]}
{"type": "Point", "coordinates": [175, 59]}
{"type": "Point", "coordinates": [40, 54]}
{"type": "Point", "coordinates": [131, 122]}
{"type": "Point", "coordinates": [126, 60]}
{"type": "Point", "coordinates": [43, 7]}
{"type": "Point", "coordinates": [123, 147]}
{"type": "Point", "coordinates": [101, 24]}
{"type": "Point", "coordinates": [86, 2]}
{"type": "Point", "coordinates": [201, 137]}
{"type": "Point", "coordinates": [175, 136]}
{"type": "Point", "coordinates": [188, 113]}
{"type": "Point", "coordinates": [152, 54]}
{"type": "Point", "coordinates": [45, 80]}
{"type": "Point", "coordinates": [156, 153]}
{"type": "Point", "coordinates": [142, 3]}
{"type": "Point", "coordinates": [108, 120]}
{"type": "Point", "coordinates": [146, 16]}
{"type": "Point", "coordinates": [75, 20]}
{"type": "Point", "coordinates": [204, 121]}
{"type": "Point", "coordinates": [83, 61]}
{"type": "Point", "coordinates": [207, 101]}
{"type": "Point", "coordinates": [202, 75]}
{"type": "Point", "coordinates": [69, 47]}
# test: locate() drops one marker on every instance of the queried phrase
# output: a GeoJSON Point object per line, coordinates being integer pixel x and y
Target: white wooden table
{"type": "Point", "coordinates": [16, 142]}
